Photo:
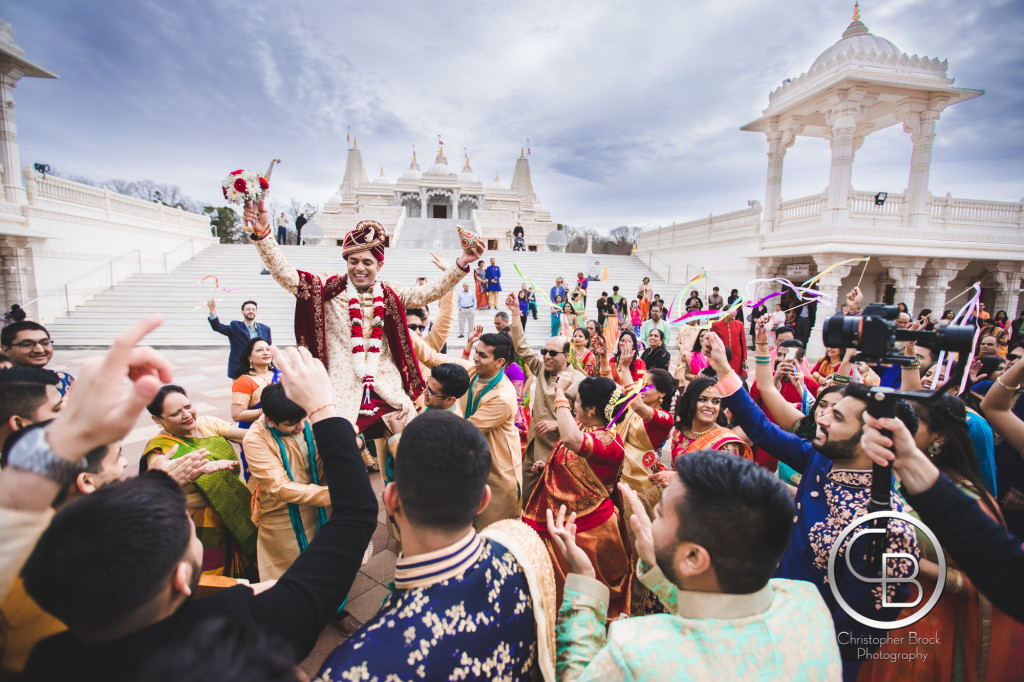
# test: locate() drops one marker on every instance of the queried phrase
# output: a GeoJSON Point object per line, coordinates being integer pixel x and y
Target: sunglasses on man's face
{"type": "Point", "coordinates": [417, 327]}
{"type": "Point", "coordinates": [552, 353]}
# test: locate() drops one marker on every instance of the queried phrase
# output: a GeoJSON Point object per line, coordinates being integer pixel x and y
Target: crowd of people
{"type": "Point", "coordinates": [598, 508]}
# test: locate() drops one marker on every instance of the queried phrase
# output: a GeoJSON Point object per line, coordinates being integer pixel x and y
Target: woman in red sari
{"type": "Point", "coordinates": [480, 276]}
{"type": "Point", "coordinates": [580, 355]}
{"type": "Point", "coordinates": [581, 474]}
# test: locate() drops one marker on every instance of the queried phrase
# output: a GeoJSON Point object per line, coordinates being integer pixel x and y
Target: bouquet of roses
{"type": "Point", "coordinates": [241, 186]}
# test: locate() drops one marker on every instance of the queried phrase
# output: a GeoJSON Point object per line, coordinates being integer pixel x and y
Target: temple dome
{"type": "Point", "coordinates": [497, 184]}
{"type": "Point", "coordinates": [857, 40]}
{"type": "Point", "coordinates": [440, 166]}
{"type": "Point", "coordinates": [334, 201]}
{"type": "Point", "coordinates": [414, 173]}
{"type": "Point", "coordinates": [382, 179]}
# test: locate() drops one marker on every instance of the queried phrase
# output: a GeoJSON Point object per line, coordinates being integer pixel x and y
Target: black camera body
{"type": "Point", "coordinates": [875, 333]}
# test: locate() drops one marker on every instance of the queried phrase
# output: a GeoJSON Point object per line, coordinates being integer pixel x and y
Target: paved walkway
{"type": "Point", "coordinates": [202, 373]}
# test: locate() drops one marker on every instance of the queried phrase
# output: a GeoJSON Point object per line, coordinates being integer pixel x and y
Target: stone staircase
{"type": "Point", "coordinates": [180, 298]}
{"type": "Point", "coordinates": [431, 233]}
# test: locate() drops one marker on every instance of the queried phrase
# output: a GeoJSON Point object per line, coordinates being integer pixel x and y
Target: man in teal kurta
{"type": "Point", "coordinates": [718, 533]}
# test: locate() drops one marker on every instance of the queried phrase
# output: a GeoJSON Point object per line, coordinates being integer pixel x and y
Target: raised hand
{"type": "Point", "coordinates": [599, 346]}
{"type": "Point", "coordinates": [259, 223]}
{"type": "Point", "coordinates": [212, 305]}
{"type": "Point", "coordinates": [719, 361]}
{"type": "Point", "coordinates": [761, 330]}
{"type": "Point", "coordinates": [512, 303]}
{"type": "Point", "coordinates": [474, 335]}
{"type": "Point", "coordinates": [641, 524]}
{"type": "Point", "coordinates": [305, 381]}
{"type": "Point", "coordinates": [916, 471]}
{"type": "Point", "coordinates": [101, 409]}
{"type": "Point", "coordinates": [439, 261]}
{"type": "Point", "coordinates": [854, 299]}
{"type": "Point", "coordinates": [563, 537]}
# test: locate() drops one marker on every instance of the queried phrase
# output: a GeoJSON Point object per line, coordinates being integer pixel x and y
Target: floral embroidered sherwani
{"type": "Point", "coordinates": [464, 612]}
{"type": "Point", "coordinates": [781, 632]}
{"type": "Point", "coordinates": [347, 386]}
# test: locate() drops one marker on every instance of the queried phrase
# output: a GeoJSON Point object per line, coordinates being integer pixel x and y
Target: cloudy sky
{"type": "Point", "coordinates": [632, 108]}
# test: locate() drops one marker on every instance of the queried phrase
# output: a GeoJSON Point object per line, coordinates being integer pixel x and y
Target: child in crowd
{"type": "Point", "coordinates": [634, 316]}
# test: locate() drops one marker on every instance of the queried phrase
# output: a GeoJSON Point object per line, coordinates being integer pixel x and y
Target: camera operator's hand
{"type": "Point", "coordinates": [916, 471]}
{"type": "Point", "coordinates": [854, 299]}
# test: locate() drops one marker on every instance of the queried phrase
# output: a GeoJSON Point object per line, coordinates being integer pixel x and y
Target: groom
{"type": "Point", "coordinates": [355, 323]}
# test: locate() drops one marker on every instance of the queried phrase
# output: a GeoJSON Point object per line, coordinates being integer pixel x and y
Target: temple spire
{"type": "Point", "coordinates": [465, 150]}
{"type": "Point", "coordinates": [856, 10]}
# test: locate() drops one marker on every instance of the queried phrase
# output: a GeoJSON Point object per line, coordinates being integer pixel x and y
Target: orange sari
{"type": "Point", "coordinates": [585, 483]}
{"type": "Point", "coordinates": [720, 438]}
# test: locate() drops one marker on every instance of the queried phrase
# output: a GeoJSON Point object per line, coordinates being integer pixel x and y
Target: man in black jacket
{"type": "Point", "coordinates": [119, 566]}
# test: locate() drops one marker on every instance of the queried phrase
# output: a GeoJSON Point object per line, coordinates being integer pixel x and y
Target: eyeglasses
{"type": "Point", "coordinates": [417, 327]}
{"type": "Point", "coordinates": [552, 353]}
{"type": "Point", "coordinates": [431, 394]}
{"type": "Point", "coordinates": [28, 345]}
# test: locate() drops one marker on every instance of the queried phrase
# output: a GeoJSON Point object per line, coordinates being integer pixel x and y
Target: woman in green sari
{"type": "Point", "coordinates": [219, 503]}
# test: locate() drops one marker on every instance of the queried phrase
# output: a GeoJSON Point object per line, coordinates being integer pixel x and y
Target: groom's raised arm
{"type": "Point", "coordinates": [280, 269]}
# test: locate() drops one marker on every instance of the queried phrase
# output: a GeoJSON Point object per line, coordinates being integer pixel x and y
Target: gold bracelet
{"type": "Point", "coordinates": [999, 381]}
{"type": "Point", "coordinates": [954, 582]}
{"type": "Point", "coordinates": [562, 403]}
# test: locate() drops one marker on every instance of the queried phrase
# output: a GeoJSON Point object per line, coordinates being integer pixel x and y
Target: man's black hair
{"type": "Point", "coordinates": [223, 649]}
{"type": "Point", "coordinates": [416, 312]}
{"type": "Point", "coordinates": [156, 405]}
{"type": "Point", "coordinates": [11, 331]}
{"type": "Point", "coordinates": [502, 346]}
{"type": "Point", "coordinates": [21, 398]}
{"type": "Point", "coordinates": [454, 379]}
{"type": "Point", "coordinates": [277, 407]}
{"type": "Point", "coordinates": [739, 512]}
{"type": "Point", "coordinates": [29, 375]}
{"type": "Point", "coordinates": [904, 410]}
{"type": "Point", "coordinates": [441, 468]}
{"type": "Point", "coordinates": [247, 303]}
{"type": "Point", "coordinates": [615, 288]}
{"type": "Point", "coordinates": [791, 343]}
{"type": "Point", "coordinates": [107, 554]}
{"type": "Point", "coordinates": [783, 329]}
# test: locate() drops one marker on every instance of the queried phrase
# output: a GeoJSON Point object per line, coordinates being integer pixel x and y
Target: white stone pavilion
{"type": "Point", "coordinates": [421, 209]}
{"type": "Point", "coordinates": [924, 249]}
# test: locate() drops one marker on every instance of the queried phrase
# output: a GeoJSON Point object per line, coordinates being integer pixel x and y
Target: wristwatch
{"type": "Point", "coordinates": [32, 453]}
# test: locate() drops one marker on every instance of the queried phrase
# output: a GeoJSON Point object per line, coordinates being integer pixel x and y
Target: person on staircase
{"type": "Point", "coordinates": [239, 332]}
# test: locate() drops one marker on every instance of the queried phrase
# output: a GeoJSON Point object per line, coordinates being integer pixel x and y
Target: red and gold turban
{"type": "Point", "coordinates": [369, 236]}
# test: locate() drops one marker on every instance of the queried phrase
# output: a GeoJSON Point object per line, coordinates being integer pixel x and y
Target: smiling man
{"type": "Point", "coordinates": [28, 344]}
{"type": "Point", "coordinates": [355, 323]}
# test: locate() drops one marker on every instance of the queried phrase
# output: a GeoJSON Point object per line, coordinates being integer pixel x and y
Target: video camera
{"type": "Point", "coordinates": [875, 333]}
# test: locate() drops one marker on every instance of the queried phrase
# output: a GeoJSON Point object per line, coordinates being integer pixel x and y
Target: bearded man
{"type": "Point", "coordinates": [355, 323]}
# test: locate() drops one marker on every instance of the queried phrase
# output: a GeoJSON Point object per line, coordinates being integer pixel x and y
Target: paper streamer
{"type": "Point", "coordinates": [679, 296]}
{"type": "Point", "coordinates": [970, 308]}
{"type": "Point", "coordinates": [812, 280]}
{"type": "Point", "coordinates": [216, 284]}
{"type": "Point", "coordinates": [629, 398]}
{"type": "Point", "coordinates": [537, 289]}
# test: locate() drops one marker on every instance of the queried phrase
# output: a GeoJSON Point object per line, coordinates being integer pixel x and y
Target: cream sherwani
{"type": "Point", "coordinates": [276, 544]}
{"type": "Point", "coordinates": [495, 417]}
{"type": "Point", "coordinates": [347, 386]}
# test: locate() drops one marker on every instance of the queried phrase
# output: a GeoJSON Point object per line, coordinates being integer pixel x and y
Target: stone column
{"type": "Point", "coordinates": [1008, 275]}
{"type": "Point", "coordinates": [10, 156]}
{"type": "Point", "coordinates": [829, 285]}
{"type": "Point", "coordinates": [919, 119]}
{"type": "Point", "coordinates": [780, 138]}
{"type": "Point", "coordinates": [843, 111]}
{"type": "Point", "coordinates": [905, 272]}
{"type": "Point", "coordinates": [17, 273]}
{"type": "Point", "coordinates": [935, 283]}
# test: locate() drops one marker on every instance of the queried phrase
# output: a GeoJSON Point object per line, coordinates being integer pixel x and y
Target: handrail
{"type": "Point", "coordinates": [108, 264]}
{"type": "Point", "coordinates": [668, 267]}
{"type": "Point", "coordinates": [190, 242]}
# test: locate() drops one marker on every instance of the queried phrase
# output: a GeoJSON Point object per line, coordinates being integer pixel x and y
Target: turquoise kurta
{"type": "Point", "coordinates": [781, 632]}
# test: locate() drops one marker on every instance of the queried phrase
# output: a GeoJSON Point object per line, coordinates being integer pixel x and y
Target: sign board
{"type": "Point", "coordinates": [798, 270]}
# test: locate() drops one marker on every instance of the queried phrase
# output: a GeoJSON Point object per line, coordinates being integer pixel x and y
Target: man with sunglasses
{"type": "Point", "coordinates": [28, 344]}
{"type": "Point", "coordinates": [545, 365]}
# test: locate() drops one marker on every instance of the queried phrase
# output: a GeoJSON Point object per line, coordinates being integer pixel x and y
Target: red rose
{"type": "Point", "coordinates": [263, 183]}
{"type": "Point", "coordinates": [358, 349]}
{"type": "Point", "coordinates": [240, 185]}
{"type": "Point", "coordinates": [225, 190]}
{"type": "Point", "coordinates": [376, 333]}
{"type": "Point", "coordinates": [237, 172]}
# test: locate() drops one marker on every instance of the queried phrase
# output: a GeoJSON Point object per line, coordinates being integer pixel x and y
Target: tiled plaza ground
{"type": "Point", "coordinates": [203, 375]}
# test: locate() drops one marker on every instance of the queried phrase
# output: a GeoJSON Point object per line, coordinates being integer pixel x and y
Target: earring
{"type": "Point", "coordinates": [935, 449]}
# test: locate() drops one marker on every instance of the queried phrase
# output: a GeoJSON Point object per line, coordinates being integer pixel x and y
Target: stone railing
{"type": "Point", "coordinates": [799, 210]}
{"type": "Point", "coordinates": [862, 205]}
{"type": "Point", "coordinates": [147, 213]}
{"type": "Point", "coordinates": [714, 228]}
{"type": "Point", "coordinates": [976, 211]}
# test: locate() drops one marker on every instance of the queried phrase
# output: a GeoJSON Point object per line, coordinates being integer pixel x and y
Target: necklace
{"type": "Point", "coordinates": [698, 434]}
{"type": "Point", "coordinates": [366, 353]}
